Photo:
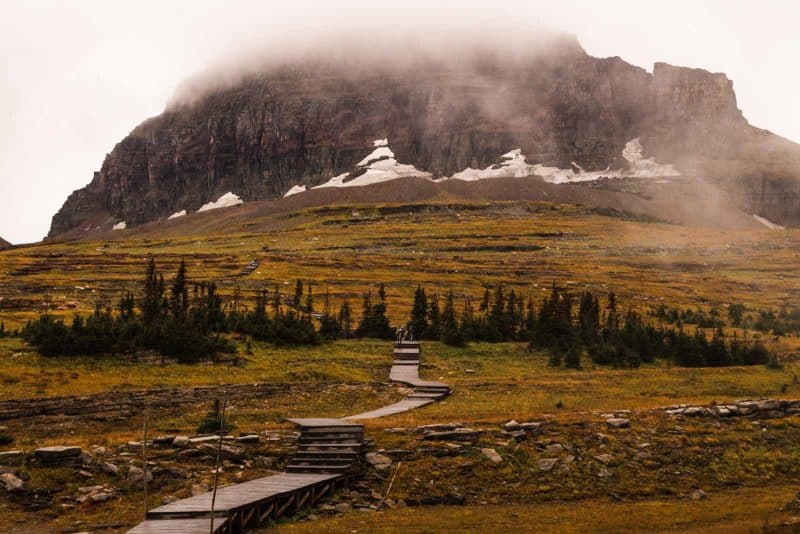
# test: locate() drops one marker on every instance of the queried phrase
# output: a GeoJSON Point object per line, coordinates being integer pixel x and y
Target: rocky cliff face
{"type": "Point", "coordinates": [4, 243]}
{"type": "Point", "coordinates": [304, 124]}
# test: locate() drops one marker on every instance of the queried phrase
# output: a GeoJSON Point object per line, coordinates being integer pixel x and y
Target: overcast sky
{"type": "Point", "coordinates": [77, 76]}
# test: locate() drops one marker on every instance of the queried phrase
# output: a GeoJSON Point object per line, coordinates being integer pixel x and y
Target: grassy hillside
{"type": "Point", "coordinates": [527, 246]}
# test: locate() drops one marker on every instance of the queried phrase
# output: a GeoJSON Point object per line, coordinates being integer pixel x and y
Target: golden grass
{"type": "Point", "coordinates": [731, 511]}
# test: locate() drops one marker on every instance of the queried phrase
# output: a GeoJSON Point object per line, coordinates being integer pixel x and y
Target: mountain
{"type": "Point", "coordinates": [561, 114]}
{"type": "Point", "coordinates": [4, 244]}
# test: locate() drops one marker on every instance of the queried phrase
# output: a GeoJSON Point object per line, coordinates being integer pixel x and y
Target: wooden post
{"type": "Point", "coordinates": [144, 457]}
{"type": "Point", "coordinates": [216, 464]}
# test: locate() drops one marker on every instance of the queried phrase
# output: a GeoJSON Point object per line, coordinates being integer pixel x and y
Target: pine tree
{"type": "Point", "coordinates": [419, 313]}
{"type": "Point", "coordinates": [434, 331]}
{"type": "Point", "coordinates": [298, 294]}
{"type": "Point", "coordinates": [180, 293]}
{"type": "Point", "coordinates": [309, 300]}
{"type": "Point", "coordinates": [345, 318]}
{"type": "Point", "coordinates": [364, 327]}
{"type": "Point", "coordinates": [151, 299]}
{"type": "Point", "coordinates": [450, 331]}
{"type": "Point", "coordinates": [485, 301]}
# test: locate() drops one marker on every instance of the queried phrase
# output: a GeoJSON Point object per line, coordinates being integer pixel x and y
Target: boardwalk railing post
{"type": "Point", "coordinates": [144, 457]}
{"type": "Point", "coordinates": [216, 464]}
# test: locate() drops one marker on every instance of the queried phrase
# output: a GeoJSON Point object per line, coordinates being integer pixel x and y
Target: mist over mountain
{"type": "Point", "coordinates": [262, 128]}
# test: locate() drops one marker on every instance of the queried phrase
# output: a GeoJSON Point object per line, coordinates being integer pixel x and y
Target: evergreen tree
{"type": "Point", "coordinates": [419, 313]}
{"type": "Point", "coordinates": [180, 293]}
{"type": "Point", "coordinates": [434, 331]}
{"type": "Point", "coordinates": [309, 300]}
{"type": "Point", "coordinates": [345, 318]}
{"type": "Point", "coordinates": [298, 294]}
{"type": "Point", "coordinates": [450, 332]}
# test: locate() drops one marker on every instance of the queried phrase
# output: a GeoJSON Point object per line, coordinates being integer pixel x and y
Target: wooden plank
{"type": "Point", "coordinates": [179, 526]}
{"type": "Point", "coordinates": [232, 497]}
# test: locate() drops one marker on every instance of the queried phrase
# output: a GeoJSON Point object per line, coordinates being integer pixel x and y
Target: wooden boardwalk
{"type": "Point", "coordinates": [405, 370]}
{"type": "Point", "coordinates": [328, 455]}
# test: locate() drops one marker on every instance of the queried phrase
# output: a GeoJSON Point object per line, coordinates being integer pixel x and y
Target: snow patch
{"type": "Point", "coordinates": [177, 214]}
{"type": "Point", "coordinates": [513, 165]}
{"type": "Point", "coordinates": [379, 166]}
{"type": "Point", "coordinates": [769, 224]}
{"type": "Point", "coordinates": [120, 225]}
{"type": "Point", "coordinates": [294, 190]}
{"type": "Point", "coordinates": [639, 167]}
{"type": "Point", "coordinates": [225, 201]}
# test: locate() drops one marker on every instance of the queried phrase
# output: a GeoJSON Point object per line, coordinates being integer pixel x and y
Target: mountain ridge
{"type": "Point", "coordinates": [298, 127]}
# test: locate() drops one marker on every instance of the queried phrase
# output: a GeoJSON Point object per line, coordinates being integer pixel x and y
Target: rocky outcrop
{"type": "Point", "coordinates": [4, 244]}
{"type": "Point", "coordinates": [303, 124]}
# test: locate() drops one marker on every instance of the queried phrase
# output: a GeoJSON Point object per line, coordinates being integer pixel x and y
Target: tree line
{"type": "Point", "coordinates": [187, 321]}
{"type": "Point", "coordinates": [571, 327]}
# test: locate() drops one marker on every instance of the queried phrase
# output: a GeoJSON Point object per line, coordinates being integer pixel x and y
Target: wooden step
{"type": "Point", "coordinates": [342, 445]}
{"type": "Point", "coordinates": [317, 468]}
{"type": "Point", "coordinates": [332, 429]}
{"type": "Point", "coordinates": [322, 461]}
{"type": "Point", "coordinates": [345, 455]}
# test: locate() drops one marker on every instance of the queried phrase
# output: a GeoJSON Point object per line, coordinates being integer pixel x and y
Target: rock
{"type": "Point", "coordinates": [180, 441]}
{"type": "Point", "coordinates": [459, 434]}
{"type": "Point", "coordinates": [378, 460]}
{"type": "Point", "coordinates": [10, 482]}
{"type": "Point", "coordinates": [342, 507]}
{"type": "Point", "coordinates": [512, 425]}
{"type": "Point", "coordinates": [326, 508]}
{"type": "Point", "coordinates": [694, 411]}
{"type": "Point", "coordinates": [698, 494]}
{"type": "Point", "coordinates": [618, 422]}
{"type": "Point", "coordinates": [228, 452]}
{"type": "Point", "coordinates": [530, 426]}
{"type": "Point", "coordinates": [604, 473]}
{"type": "Point", "coordinates": [90, 489]}
{"type": "Point", "coordinates": [11, 458]}
{"type": "Point", "coordinates": [199, 488]}
{"type": "Point", "coordinates": [163, 440]}
{"type": "Point", "coordinates": [100, 497]}
{"type": "Point", "coordinates": [554, 448]}
{"type": "Point", "coordinates": [85, 474]}
{"type": "Point", "coordinates": [249, 438]}
{"type": "Point", "coordinates": [108, 468]}
{"type": "Point", "coordinates": [86, 458]}
{"type": "Point", "coordinates": [204, 439]}
{"type": "Point", "coordinates": [57, 455]}
{"type": "Point", "coordinates": [438, 428]}
{"type": "Point", "coordinates": [99, 451]}
{"type": "Point", "coordinates": [605, 459]}
{"type": "Point", "coordinates": [492, 455]}
{"type": "Point", "coordinates": [547, 464]}
{"type": "Point", "coordinates": [136, 476]}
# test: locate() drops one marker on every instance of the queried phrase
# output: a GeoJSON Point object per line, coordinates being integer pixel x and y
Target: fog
{"type": "Point", "coordinates": [77, 77]}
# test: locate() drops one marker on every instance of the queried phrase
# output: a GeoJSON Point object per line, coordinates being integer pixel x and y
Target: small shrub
{"type": "Point", "coordinates": [6, 438]}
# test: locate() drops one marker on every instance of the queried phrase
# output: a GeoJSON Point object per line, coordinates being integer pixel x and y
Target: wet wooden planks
{"type": "Point", "coordinates": [398, 407]}
{"type": "Point", "coordinates": [241, 495]}
{"type": "Point", "coordinates": [181, 526]}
